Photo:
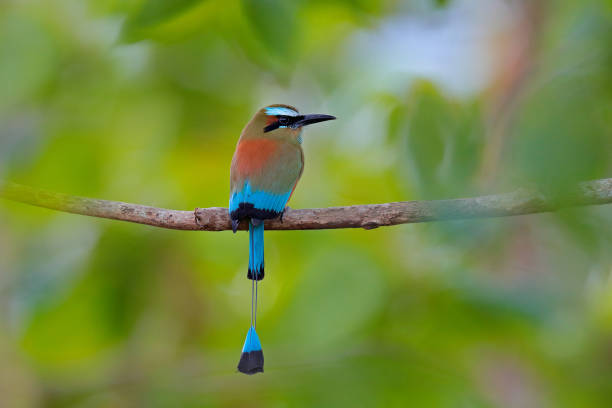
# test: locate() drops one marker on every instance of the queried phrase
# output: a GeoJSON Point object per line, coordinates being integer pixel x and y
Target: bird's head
{"type": "Point", "coordinates": [281, 121]}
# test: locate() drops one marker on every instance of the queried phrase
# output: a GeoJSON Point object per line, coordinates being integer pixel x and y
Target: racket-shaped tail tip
{"type": "Point", "coordinates": [251, 360]}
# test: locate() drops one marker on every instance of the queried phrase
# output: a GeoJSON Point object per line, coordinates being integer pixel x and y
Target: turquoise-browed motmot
{"type": "Point", "coordinates": [266, 167]}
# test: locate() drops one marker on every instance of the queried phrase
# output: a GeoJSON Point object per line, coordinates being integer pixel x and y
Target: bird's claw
{"type": "Point", "coordinates": [235, 225]}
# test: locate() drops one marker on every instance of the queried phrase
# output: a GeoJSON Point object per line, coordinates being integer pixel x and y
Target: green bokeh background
{"type": "Point", "coordinates": [143, 100]}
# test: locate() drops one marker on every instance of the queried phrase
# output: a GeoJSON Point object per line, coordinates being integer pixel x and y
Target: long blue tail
{"type": "Point", "coordinates": [256, 250]}
{"type": "Point", "coordinates": [251, 359]}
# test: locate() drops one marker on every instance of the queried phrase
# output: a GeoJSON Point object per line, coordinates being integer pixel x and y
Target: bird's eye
{"type": "Point", "coordinates": [283, 121]}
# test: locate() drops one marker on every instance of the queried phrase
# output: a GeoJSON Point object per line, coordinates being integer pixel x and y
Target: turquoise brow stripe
{"type": "Point", "coordinates": [280, 111]}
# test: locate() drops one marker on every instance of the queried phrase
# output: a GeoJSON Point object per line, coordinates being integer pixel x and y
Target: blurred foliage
{"type": "Point", "coordinates": [143, 101]}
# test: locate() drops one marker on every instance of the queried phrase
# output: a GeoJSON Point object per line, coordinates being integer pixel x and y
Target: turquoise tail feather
{"type": "Point", "coordinates": [252, 359]}
{"type": "Point", "coordinates": [251, 343]}
{"type": "Point", "coordinates": [256, 251]}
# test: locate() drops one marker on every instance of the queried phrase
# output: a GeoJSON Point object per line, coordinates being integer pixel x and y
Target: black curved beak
{"type": "Point", "coordinates": [314, 118]}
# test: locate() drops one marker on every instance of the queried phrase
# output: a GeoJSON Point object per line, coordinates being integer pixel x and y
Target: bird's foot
{"type": "Point", "coordinates": [256, 221]}
{"type": "Point", "coordinates": [283, 213]}
{"type": "Point", "coordinates": [235, 225]}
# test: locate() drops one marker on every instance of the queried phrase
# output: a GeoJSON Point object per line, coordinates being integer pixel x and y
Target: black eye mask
{"type": "Point", "coordinates": [283, 121]}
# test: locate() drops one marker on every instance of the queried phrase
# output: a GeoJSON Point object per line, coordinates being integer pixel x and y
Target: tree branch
{"type": "Point", "coordinates": [370, 216]}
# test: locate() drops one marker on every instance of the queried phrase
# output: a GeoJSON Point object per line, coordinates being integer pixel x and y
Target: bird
{"type": "Point", "coordinates": [266, 166]}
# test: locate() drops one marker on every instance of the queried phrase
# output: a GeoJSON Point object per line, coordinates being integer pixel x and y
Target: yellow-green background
{"type": "Point", "coordinates": [143, 100]}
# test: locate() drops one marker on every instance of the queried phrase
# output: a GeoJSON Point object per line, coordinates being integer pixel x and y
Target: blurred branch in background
{"type": "Point", "coordinates": [519, 202]}
{"type": "Point", "coordinates": [515, 51]}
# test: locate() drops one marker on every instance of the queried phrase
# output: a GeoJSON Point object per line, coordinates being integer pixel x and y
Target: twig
{"type": "Point", "coordinates": [370, 216]}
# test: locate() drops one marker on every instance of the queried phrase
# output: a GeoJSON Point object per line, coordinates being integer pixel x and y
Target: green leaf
{"type": "Point", "coordinates": [152, 13]}
{"type": "Point", "coordinates": [275, 24]}
{"type": "Point", "coordinates": [443, 141]}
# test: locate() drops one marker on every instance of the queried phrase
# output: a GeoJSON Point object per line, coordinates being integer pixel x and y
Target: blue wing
{"type": "Point", "coordinates": [260, 200]}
